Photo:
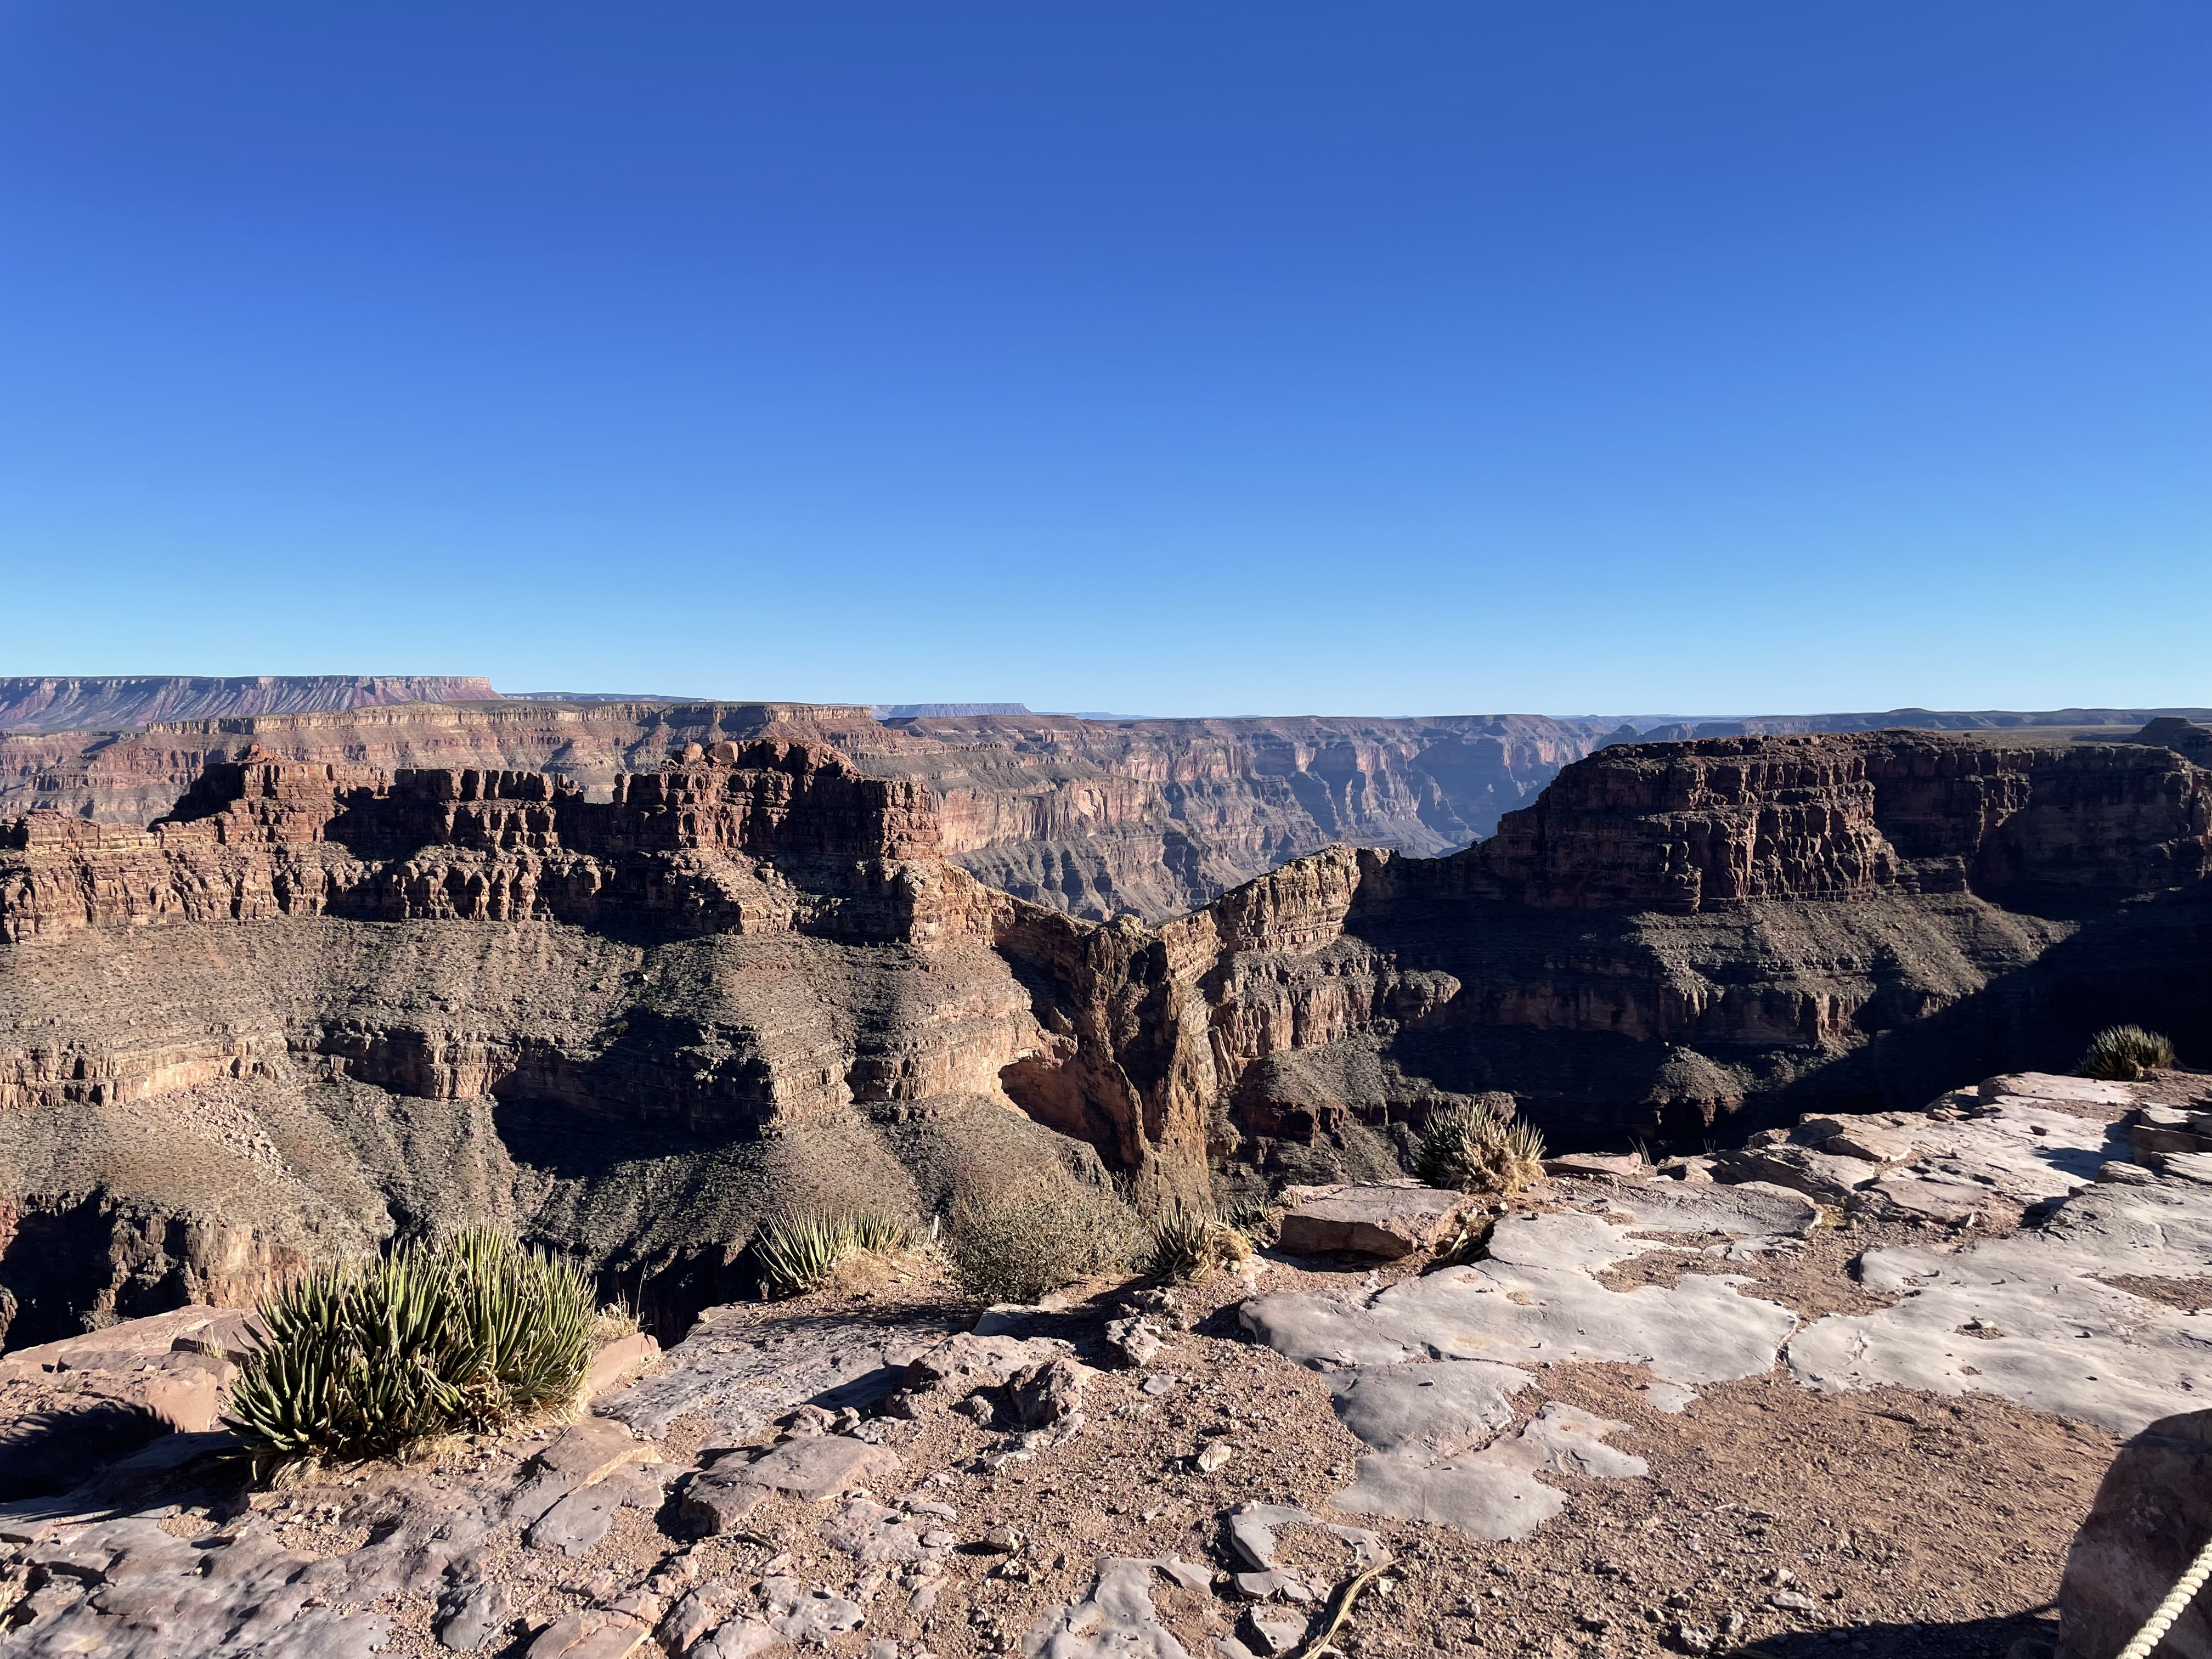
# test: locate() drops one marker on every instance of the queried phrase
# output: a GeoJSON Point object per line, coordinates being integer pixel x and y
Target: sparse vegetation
{"type": "Point", "coordinates": [1188, 1245]}
{"type": "Point", "coordinates": [615, 1320]}
{"type": "Point", "coordinates": [1260, 1219]}
{"type": "Point", "coordinates": [1016, 1244]}
{"type": "Point", "coordinates": [1477, 1148]}
{"type": "Point", "coordinates": [796, 1253]}
{"type": "Point", "coordinates": [371, 1360]}
{"type": "Point", "coordinates": [2122, 1053]}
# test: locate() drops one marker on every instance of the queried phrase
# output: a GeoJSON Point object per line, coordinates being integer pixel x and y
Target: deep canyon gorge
{"type": "Point", "coordinates": [630, 977]}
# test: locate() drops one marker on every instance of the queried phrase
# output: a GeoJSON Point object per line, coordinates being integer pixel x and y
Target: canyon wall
{"type": "Point", "coordinates": [117, 701]}
{"type": "Point", "coordinates": [317, 1003]}
{"type": "Point", "coordinates": [1677, 934]}
{"type": "Point", "coordinates": [1093, 818]}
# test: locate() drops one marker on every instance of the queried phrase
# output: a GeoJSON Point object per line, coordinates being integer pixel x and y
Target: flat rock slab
{"type": "Point", "coordinates": [470, 1615]}
{"type": "Point", "coordinates": [1115, 1620]}
{"type": "Point", "coordinates": [873, 1532]}
{"type": "Point", "coordinates": [1252, 1529]}
{"type": "Point", "coordinates": [2050, 1333]}
{"type": "Point", "coordinates": [1618, 1166]}
{"type": "Point", "coordinates": [589, 1450]}
{"type": "Point", "coordinates": [799, 1615]}
{"type": "Point", "coordinates": [1491, 1493]}
{"type": "Point", "coordinates": [619, 1361]}
{"type": "Point", "coordinates": [1388, 1220]}
{"type": "Point", "coordinates": [127, 1343]}
{"type": "Point", "coordinates": [746, 1372]}
{"type": "Point", "coordinates": [1510, 1311]}
{"type": "Point", "coordinates": [590, 1634]}
{"type": "Point", "coordinates": [1447, 1406]}
{"type": "Point", "coordinates": [579, 1520]}
{"type": "Point", "coordinates": [824, 1466]}
{"type": "Point", "coordinates": [1426, 1369]}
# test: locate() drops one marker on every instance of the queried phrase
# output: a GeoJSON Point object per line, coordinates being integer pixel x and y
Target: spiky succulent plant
{"type": "Point", "coordinates": [2122, 1053]}
{"type": "Point", "coordinates": [367, 1359]}
{"type": "Point", "coordinates": [795, 1253]}
{"type": "Point", "coordinates": [1477, 1148]}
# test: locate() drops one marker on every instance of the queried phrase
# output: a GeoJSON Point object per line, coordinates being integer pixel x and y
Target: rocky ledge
{"type": "Point", "coordinates": [1654, 1410]}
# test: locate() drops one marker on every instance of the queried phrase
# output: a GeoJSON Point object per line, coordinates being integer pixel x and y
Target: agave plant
{"type": "Point", "coordinates": [1478, 1149]}
{"type": "Point", "coordinates": [2122, 1053]}
{"type": "Point", "coordinates": [795, 1253]}
{"type": "Point", "coordinates": [366, 1359]}
{"type": "Point", "coordinates": [1187, 1244]}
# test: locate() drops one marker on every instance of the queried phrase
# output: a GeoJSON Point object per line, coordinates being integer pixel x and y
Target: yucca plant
{"type": "Point", "coordinates": [795, 1253]}
{"type": "Point", "coordinates": [1186, 1245]}
{"type": "Point", "coordinates": [1478, 1149]}
{"type": "Point", "coordinates": [368, 1359]}
{"type": "Point", "coordinates": [2122, 1053]}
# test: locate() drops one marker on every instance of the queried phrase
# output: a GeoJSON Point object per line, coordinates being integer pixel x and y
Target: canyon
{"type": "Point", "coordinates": [1092, 815]}
{"type": "Point", "coordinates": [317, 1003]}
{"type": "Point", "coordinates": [1095, 817]}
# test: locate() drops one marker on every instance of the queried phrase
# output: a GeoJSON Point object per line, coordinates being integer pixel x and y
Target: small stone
{"type": "Point", "coordinates": [1213, 1455]}
{"type": "Point", "coordinates": [1160, 1384]}
{"type": "Point", "coordinates": [1790, 1601]}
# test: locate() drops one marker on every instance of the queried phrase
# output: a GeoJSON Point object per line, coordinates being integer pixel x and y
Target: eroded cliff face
{"type": "Point", "coordinates": [316, 1004]}
{"type": "Point", "coordinates": [1094, 818]}
{"type": "Point", "coordinates": [1679, 933]}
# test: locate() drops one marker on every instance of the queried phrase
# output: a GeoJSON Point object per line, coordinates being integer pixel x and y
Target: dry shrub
{"type": "Point", "coordinates": [1017, 1242]}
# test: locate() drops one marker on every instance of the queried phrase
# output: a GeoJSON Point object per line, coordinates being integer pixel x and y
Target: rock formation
{"type": "Point", "coordinates": [1675, 933]}
{"type": "Point", "coordinates": [317, 1002]}
{"type": "Point", "coordinates": [108, 702]}
{"type": "Point", "coordinates": [1095, 817]}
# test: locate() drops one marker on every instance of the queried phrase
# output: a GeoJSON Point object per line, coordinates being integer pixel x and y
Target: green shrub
{"type": "Point", "coordinates": [1016, 1244]}
{"type": "Point", "coordinates": [370, 1359]}
{"type": "Point", "coordinates": [1260, 1220]}
{"type": "Point", "coordinates": [1478, 1149]}
{"type": "Point", "coordinates": [2121, 1054]}
{"type": "Point", "coordinates": [1187, 1245]}
{"type": "Point", "coordinates": [795, 1253]}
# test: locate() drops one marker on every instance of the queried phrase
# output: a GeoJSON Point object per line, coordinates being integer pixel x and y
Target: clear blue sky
{"type": "Point", "coordinates": [1159, 358]}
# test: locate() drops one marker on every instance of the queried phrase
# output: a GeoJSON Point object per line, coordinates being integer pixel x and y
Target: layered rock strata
{"type": "Point", "coordinates": [1096, 817]}
{"type": "Point", "coordinates": [78, 703]}
{"type": "Point", "coordinates": [1675, 932]}
{"type": "Point", "coordinates": [316, 1004]}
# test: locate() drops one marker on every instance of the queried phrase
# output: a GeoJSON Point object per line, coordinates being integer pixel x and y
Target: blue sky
{"type": "Point", "coordinates": [1704, 357]}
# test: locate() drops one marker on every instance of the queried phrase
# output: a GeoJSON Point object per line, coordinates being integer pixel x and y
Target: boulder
{"type": "Point", "coordinates": [2151, 1516]}
{"type": "Point", "coordinates": [1388, 1219]}
{"type": "Point", "coordinates": [618, 1361]}
{"type": "Point", "coordinates": [821, 1466]}
{"type": "Point", "coordinates": [1048, 1392]}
